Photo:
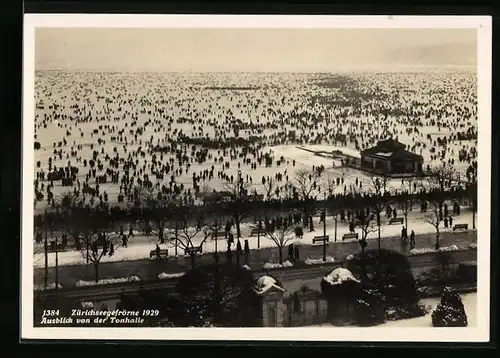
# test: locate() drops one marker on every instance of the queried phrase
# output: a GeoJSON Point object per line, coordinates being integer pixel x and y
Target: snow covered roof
{"type": "Point", "coordinates": [264, 283]}
{"type": "Point", "coordinates": [388, 154]}
{"type": "Point", "coordinates": [340, 275]}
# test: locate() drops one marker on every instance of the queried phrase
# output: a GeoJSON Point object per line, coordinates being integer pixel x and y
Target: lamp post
{"type": "Point", "coordinates": [323, 218]}
{"type": "Point", "coordinates": [335, 218]}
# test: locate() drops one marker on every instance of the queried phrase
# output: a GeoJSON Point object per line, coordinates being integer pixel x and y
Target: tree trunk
{"type": "Point", "coordinates": [193, 259]}
{"type": "Point", "coordinates": [57, 266]}
{"type": "Point", "coordinates": [176, 234]}
{"type": "Point", "coordinates": [437, 240]}
{"type": "Point", "coordinates": [237, 220]}
{"type": "Point", "coordinates": [311, 223]}
{"type": "Point", "coordinates": [46, 254]}
{"type": "Point", "coordinates": [280, 253]}
{"type": "Point", "coordinates": [324, 239]}
{"type": "Point", "coordinates": [378, 238]}
{"type": "Point", "coordinates": [473, 218]}
{"type": "Point", "coordinates": [96, 270]}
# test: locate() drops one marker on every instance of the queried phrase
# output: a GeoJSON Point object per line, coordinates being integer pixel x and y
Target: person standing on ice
{"type": "Point", "coordinates": [450, 221]}
{"type": "Point", "coordinates": [124, 240]}
{"type": "Point", "coordinates": [412, 240]}
{"type": "Point", "coordinates": [130, 231]}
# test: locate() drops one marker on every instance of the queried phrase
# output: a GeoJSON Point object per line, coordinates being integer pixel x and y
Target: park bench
{"type": "Point", "coordinates": [163, 252]}
{"type": "Point", "coordinates": [396, 220]}
{"type": "Point", "coordinates": [193, 250]}
{"type": "Point", "coordinates": [321, 239]}
{"type": "Point", "coordinates": [460, 227]}
{"type": "Point", "coordinates": [254, 232]}
{"type": "Point", "coordinates": [220, 234]}
{"type": "Point", "coordinates": [352, 235]}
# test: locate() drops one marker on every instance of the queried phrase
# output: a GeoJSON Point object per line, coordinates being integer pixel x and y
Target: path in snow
{"type": "Point", "coordinates": [149, 269]}
{"type": "Point", "coordinates": [140, 247]}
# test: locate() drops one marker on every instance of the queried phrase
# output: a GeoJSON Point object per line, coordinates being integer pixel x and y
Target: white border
{"type": "Point", "coordinates": [471, 334]}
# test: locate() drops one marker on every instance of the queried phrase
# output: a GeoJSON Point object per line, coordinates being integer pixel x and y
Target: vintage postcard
{"type": "Point", "coordinates": [306, 178]}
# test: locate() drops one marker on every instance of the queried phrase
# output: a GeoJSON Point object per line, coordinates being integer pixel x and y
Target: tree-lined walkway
{"type": "Point", "coordinates": [149, 269]}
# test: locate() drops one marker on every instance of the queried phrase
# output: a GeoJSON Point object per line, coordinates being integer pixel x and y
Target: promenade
{"type": "Point", "coordinates": [148, 269]}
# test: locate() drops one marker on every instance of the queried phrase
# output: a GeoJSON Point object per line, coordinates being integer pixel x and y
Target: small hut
{"type": "Point", "coordinates": [270, 292]}
{"type": "Point", "coordinates": [341, 289]}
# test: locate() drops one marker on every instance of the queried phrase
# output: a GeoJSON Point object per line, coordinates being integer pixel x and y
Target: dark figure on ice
{"type": "Point", "coordinates": [121, 230]}
{"type": "Point", "coordinates": [296, 251]}
{"type": "Point", "coordinates": [394, 213]}
{"type": "Point", "coordinates": [111, 249]}
{"type": "Point", "coordinates": [130, 231]}
{"type": "Point", "coordinates": [445, 223]}
{"type": "Point", "coordinates": [450, 221]}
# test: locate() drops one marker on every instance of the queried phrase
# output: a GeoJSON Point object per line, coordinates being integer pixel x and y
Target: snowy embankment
{"type": "Point", "coordinates": [272, 265]}
{"type": "Point", "coordinates": [139, 247]}
{"type": "Point", "coordinates": [166, 276]}
{"type": "Point", "coordinates": [427, 250]}
{"type": "Point", "coordinates": [329, 259]}
{"type": "Point", "coordinates": [50, 286]}
{"type": "Point", "coordinates": [107, 281]}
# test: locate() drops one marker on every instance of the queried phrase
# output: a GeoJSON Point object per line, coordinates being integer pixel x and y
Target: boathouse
{"type": "Point", "coordinates": [391, 157]}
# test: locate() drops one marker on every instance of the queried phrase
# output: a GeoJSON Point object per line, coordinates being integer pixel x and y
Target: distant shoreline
{"type": "Point", "coordinates": [403, 69]}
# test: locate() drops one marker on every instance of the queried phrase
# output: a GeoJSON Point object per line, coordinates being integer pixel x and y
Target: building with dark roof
{"type": "Point", "coordinates": [391, 157]}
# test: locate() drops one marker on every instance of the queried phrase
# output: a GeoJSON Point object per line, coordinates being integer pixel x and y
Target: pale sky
{"type": "Point", "coordinates": [250, 50]}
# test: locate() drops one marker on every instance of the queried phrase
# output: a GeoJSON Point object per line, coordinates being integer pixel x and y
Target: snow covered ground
{"type": "Point", "coordinates": [470, 304]}
{"type": "Point", "coordinates": [140, 247]}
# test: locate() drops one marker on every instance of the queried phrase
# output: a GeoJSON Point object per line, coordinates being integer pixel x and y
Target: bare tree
{"type": "Point", "coordinates": [437, 182]}
{"type": "Point", "coordinates": [409, 188]}
{"type": "Point", "coordinates": [329, 182]}
{"type": "Point", "coordinates": [189, 232]}
{"type": "Point", "coordinates": [238, 208]}
{"type": "Point", "coordinates": [306, 185]}
{"type": "Point", "coordinates": [368, 225]}
{"type": "Point", "coordinates": [281, 233]}
{"type": "Point", "coordinates": [472, 190]}
{"type": "Point", "coordinates": [378, 190]}
{"type": "Point", "coordinates": [68, 207]}
{"type": "Point", "coordinates": [434, 217]}
{"type": "Point", "coordinates": [213, 229]}
{"type": "Point", "coordinates": [98, 242]}
{"type": "Point", "coordinates": [270, 186]}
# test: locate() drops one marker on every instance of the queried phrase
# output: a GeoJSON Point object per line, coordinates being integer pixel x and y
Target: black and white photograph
{"type": "Point", "coordinates": [317, 178]}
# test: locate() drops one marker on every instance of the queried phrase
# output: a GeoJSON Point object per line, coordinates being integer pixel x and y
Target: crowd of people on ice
{"type": "Point", "coordinates": [115, 138]}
